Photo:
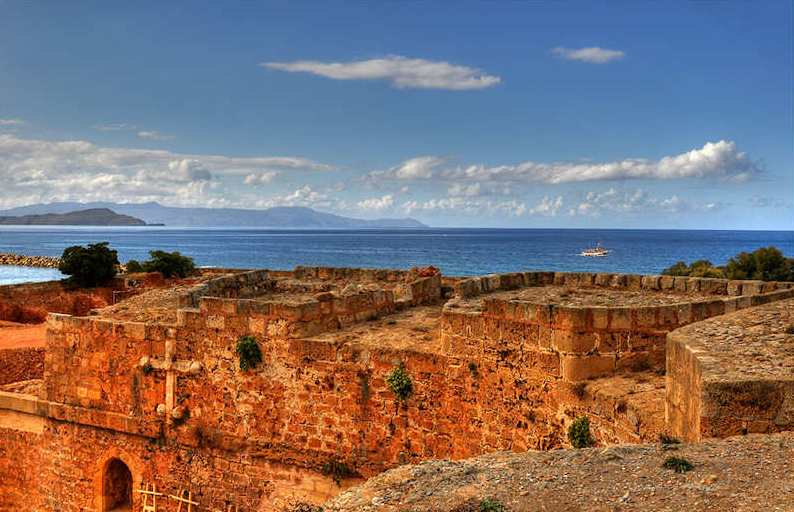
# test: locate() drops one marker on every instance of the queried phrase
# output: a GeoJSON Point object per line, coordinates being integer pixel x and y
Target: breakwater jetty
{"type": "Point", "coordinates": [22, 260]}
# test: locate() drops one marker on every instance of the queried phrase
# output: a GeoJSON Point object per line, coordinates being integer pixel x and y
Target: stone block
{"type": "Point", "coordinates": [573, 342]}
{"type": "Point", "coordinates": [752, 287]}
{"type": "Point", "coordinates": [666, 282]}
{"type": "Point", "coordinates": [734, 287]}
{"type": "Point", "coordinates": [577, 368]}
{"type": "Point", "coordinates": [620, 319]}
{"type": "Point", "coordinates": [650, 282]}
{"type": "Point", "coordinates": [600, 317]}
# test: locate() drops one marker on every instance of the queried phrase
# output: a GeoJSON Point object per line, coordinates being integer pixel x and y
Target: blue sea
{"type": "Point", "coordinates": [454, 251]}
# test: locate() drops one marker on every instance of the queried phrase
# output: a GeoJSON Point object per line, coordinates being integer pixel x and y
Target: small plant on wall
{"type": "Point", "coordinates": [579, 433]}
{"type": "Point", "coordinates": [249, 352]}
{"type": "Point", "coordinates": [400, 382]}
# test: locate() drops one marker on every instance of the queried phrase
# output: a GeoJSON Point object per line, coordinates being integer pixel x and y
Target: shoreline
{"type": "Point", "coordinates": [22, 260]}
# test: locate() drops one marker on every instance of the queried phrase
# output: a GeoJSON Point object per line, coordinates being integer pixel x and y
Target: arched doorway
{"type": "Point", "coordinates": [117, 487]}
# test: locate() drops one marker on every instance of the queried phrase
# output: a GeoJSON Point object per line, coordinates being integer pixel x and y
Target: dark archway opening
{"type": "Point", "coordinates": [117, 487]}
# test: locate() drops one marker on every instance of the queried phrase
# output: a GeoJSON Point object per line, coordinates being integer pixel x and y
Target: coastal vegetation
{"type": "Point", "coordinates": [89, 266]}
{"type": "Point", "coordinates": [765, 264]}
{"type": "Point", "coordinates": [170, 264]}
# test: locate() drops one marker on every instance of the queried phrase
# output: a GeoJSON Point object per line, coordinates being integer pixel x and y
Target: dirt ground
{"type": "Point", "coordinates": [750, 473]}
{"type": "Point", "coordinates": [14, 335]}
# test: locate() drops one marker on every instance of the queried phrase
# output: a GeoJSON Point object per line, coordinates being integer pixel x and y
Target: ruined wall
{"type": "Point", "coordinates": [21, 364]}
{"type": "Point", "coordinates": [30, 303]}
{"type": "Point", "coordinates": [731, 375]}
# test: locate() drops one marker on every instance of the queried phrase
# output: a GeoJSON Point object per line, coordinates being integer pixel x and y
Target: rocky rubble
{"type": "Point", "coordinates": [22, 260]}
{"type": "Point", "coordinates": [746, 473]}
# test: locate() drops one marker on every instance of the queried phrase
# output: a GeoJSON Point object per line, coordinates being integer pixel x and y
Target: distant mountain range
{"type": "Point", "coordinates": [279, 217]}
{"type": "Point", "coordinates": [89, 217]}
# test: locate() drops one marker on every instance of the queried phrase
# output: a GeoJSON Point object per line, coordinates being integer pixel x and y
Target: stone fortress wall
{"type": "Point", "coordinates": [495, 365]}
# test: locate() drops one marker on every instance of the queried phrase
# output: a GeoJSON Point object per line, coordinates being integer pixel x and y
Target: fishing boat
{"type": "Point", "coordinates": [595, 252]}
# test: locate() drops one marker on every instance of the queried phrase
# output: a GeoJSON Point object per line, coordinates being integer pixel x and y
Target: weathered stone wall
{"type": "Point", "coordinates": [731, 375]}
{"type": "Point", "coordinates": [30, 303]}
{"type": "Point", "coordinates": [21, 463]}
{"type": "Point", "coordinates": [20, 364]}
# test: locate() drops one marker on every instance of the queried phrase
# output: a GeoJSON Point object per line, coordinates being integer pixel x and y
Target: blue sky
{"type": "Point", "coordinates": [534, 114]}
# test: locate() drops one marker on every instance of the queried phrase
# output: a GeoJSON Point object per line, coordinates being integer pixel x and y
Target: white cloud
{"type": "Point", "coordinates": [402, 72]}
{"type": "Point", "coordinates": [114, 127]}
{"type": "Point", "coordinates": [417, 168]}
{"type": "Point", "coordinates": [189, 170]}
{"type": "Point", "coordinates": [593, 54]}
{"type": "Point", "coordinates": [478, 189]}
{"type": "Point", "coordinates": [719, 160]}
{"type": "Point", "coordinates": [612, 201]}
{"type": "Point", "coordinates": [36, 170]}
{"type": "Point", "coordinates": [303, 196]}
{"type": "Point", "coordinates": [467, 206]}
{"type": "Point", "coordinates": [12, 122]}
{"type": "Point", "coordinates": [153, 135]}
{"type": "Point", "coordinates": [547, 207]}
{"type": "Point", "coordinates": [262, 178]}
{"type": "Point", "coordinates": [377, 203]}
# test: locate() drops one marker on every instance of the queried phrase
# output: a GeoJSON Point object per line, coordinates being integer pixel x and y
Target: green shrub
{"type": "Point", "coordinates": [134, 266]}
{"type": "Point", "coordinates": [170, 264]}
{"type": "Point", "coordinates": [491, 505]}
{"type": "Point", "coordinates": [89, 266]}
{"type": "Point", "coordinates": [249, 352]}
{"type": "Point", "coordinates": [668, 439]}
{"type": "Point", "coordinates": [680, 268]}
{"type": "Point", "coordinates": [579, 433]}
{"type": "Point", "coordinates": [400, 382]}
{"type": "Point", "coordinates": [700, 268]}
{"type": "Point", "coordinates": [766, 264]}
{"type": "Point", "coordinates": [678, 464]}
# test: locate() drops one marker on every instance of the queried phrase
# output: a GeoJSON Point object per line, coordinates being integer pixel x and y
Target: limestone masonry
{"type": "Point", "coordinates": [143, 389]}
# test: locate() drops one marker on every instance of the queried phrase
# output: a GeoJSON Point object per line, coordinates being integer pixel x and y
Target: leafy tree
{"type": "Point", "coordinates": [766, 264]}
{"type": "Point", "coordinates": [169, 264]}
{"type": "Point", "coordinates": [134, 266]}
{"type": "Point", "coordinates": [679, 269]}
{"type": "Point", "coordinates": [89, 266]}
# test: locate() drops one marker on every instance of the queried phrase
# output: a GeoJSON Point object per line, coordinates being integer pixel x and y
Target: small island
{"type": "Point", "coordinates": [89, 217]}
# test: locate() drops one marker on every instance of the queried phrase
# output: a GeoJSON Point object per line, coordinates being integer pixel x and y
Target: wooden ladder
{"type": "Point", "coordinates": [181, 499]}
{"type": "Point", "coordinates": [149, 491]}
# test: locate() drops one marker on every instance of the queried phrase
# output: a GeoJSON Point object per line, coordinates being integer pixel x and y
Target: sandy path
{"type": "Point", "coordinates": [14, 335]}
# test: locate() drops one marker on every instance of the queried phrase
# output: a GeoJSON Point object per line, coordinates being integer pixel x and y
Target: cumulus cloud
{"type": "Point", "coordinates": [153, 135]}
{"type": "Point", "coordinates": [593, 54]}
{"type": "Point", "coordinates": [612, 201]}
{"type": "Point", "coordinates": [80, 170]}
{"type": "Point", "coordinates": [547, 207]}
{"type": "Point", "coordinates": [401, 72]}
{"type": "Point", "coordinates": [418, 168]}
{"type": "Point", "coordinates": [478, 189]}
{"type": "Point", "coordinates": [262, 178]}
{"type": "Point", "coordinates": [720, 160]}
{"type": "Point", "coordinates": [189, 170]}
{"type": "Point", "coordinates": [377, 203]}
{"type": "Point", "coordinates": [13, 122]}
{"type": "Point", "coordinates": [466, 206]}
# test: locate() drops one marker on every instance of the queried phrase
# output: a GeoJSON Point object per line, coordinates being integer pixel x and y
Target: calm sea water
{"type": "Point", "coordinates": [454, 251]}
